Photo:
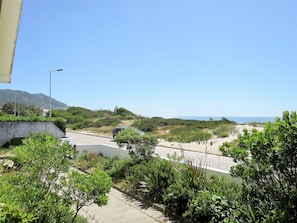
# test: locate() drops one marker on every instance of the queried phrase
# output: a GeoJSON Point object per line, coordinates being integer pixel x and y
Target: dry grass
{"type": "Point", "coordinates": [164, 130]}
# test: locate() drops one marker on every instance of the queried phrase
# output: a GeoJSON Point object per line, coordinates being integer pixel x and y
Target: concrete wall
{"type": "Point", "coordinates": [10, 130]}
{"type": "Point", "coordinates": [106, 150]}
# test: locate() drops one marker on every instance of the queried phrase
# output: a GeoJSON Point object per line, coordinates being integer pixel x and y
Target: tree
{"type": "Point", "coordinates": [9, 108]}
{"type": "Point", "coordinates": [45, 158]}
{"type": "Point", "coordinates": [140, 147]}
{"type": "Point", "coordinates": [33, 188]}
{"type": "Point", "coordinates": [267, 164]}
{"type": "Point", "coordinates": [36, 188]}
{"type": "Point", "coordinates": [86, 189]}
{"type": "Point", "coordinates": [21, 109]}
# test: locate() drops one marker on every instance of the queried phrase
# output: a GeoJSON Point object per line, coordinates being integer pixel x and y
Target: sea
{"type": "Point", "coordinates": [237, 119]}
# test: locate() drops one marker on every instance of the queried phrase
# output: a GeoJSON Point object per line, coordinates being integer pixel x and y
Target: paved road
{"type": "Point", "coordinates": [211, 161]}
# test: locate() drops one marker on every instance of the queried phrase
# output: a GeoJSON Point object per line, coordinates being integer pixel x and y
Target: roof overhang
{"type": "Point", "coordinates": [10, 13]}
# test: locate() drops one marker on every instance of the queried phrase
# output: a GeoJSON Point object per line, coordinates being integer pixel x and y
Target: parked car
{"type": "Point", "coordinates": [116, 130]}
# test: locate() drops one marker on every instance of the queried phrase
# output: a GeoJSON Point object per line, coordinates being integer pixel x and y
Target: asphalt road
{"type": "Point", "coordinates": [210, 161]}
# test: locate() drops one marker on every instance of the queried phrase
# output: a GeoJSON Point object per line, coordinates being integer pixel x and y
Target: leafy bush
{"type": "Point", "coordinates": [82, 112]}
{"type": "Point", "coordinates": [140, 147]}
{"type": "Point", "coordinates": [123, 112]}
{"type": "Point", "coordinates": [189, 194]}
{"type": "Point", "coordinates": [216, 202]}
{"type": "Point", "coordinates": [60, 123]}
{"type": "Point", "coordinates": [187, 134]}
{"type": "Point", "coordinates": [109, 121]}
{"type": "Point", "coordinates": [153, 178]}
{"type": "Point", "coordinates": [267, 164]}
{"type": "Point", "coordinates": [22, 110]}
{"type": "Point", "coordinates": [116, 167]}
{"type": "Point", "coordinates": [189, 180]}
{"type": "Point", "coordinates": [81, 125]}
{"type": "Point", "coordinates": [33, 190]}
{"type": "Point", "coordinates": [11, 212]}
{"type": "Point", "coordinates": [79, 118]}
{"type": "Point", "coordinates": [87, 160]}
{"type": "Point", "coordinates": [85, 189]}
{"type": "Point", "coordinates": [146, 125]}
{"type": "Point", "coordinates": [104, 113]}
{"type": "Point", "coordinates": [224, 130]}
{"type": "Point", "coordinates": [206, 207]}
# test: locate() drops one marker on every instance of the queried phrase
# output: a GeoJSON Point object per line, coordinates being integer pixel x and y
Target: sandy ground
{"type": "Point", "coordinates": [211, 146]}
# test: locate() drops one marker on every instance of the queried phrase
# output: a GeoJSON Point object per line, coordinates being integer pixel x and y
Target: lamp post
{"type": "Point", "coordinates": [50, 90]}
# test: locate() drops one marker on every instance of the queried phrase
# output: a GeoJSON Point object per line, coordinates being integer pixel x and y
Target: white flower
{"type": "Point", "coordinates": [8, 163]}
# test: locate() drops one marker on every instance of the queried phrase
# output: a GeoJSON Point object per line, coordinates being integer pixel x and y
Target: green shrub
{"type": "Point", "coordinates": [123, 112]}
{"type": "Point", "coordinates": [140, 147]}
{"type": "Point", "coordinates": [116, 168]}
{"type": "Point", "coordinates": [87, 160]}
{"type": "Point", "coordinates": [23, 110]}
{"type": "Point", "coordinates": [177, 197]}
{"type": "Point", "coordinates": [216, 202]}
{"type": "Point", "coordinates": [81, 125]}
{"type": "Point", "coordinates": [146, 125]}
{"type": "Point", "coordinates": [109, 121]}
{"type": "Point", "coordinates": [60, 123]}
{"type": "Point", "coordinates": [74, 119]}
{"type": "Point", "coordinates": [11, 212]}
{"type": "Point", "coordinates": [134, 175]}
{"type": "Point", "coordinates": [267, 165]}
{"type": "Point", "coordinates": [224, 130]}
{"type": "Point", "coordinates": [157, 175]}
{"type": "Point", "coordinates": [187, 134]}
{"type": "Point", "coordinates": [206, 207]}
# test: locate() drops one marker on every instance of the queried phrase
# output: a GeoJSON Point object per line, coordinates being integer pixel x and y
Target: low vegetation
{"type": "Point", "coordinates": [140, 147]}
{"type": "Point", "coordinates": [37, 184]}
{"type": "Point", "coordinates": [103, 121]}
{"type": "Point", "coordinates": [267, 191]}
{"type": "Point", "coordinates": [267, 164]}
{"type": "Point", "coordinates": [267, 167]}
{"type": "Point", "coordinates": [178, 130]}
{"type": "Point", "coordinates": [18, 109]}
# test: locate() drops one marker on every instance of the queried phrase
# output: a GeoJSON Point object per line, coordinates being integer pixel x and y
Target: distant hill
{"type": "Point", "coordinates": [23, 97]}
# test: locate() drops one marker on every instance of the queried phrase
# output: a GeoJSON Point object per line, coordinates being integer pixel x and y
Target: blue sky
{"type": "Point", "coordinates": [163, 58]}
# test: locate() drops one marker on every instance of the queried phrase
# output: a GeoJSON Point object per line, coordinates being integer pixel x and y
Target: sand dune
{"type": "Point", "coordinates": [211, 146]}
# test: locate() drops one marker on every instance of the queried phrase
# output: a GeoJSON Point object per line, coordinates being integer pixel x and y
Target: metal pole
{"type": "Point", "coordinates": [14, 108]}
{"type": "Point", "coordinates": [50, 94]}
{"type": "Point", "coordinates": [50, 90]}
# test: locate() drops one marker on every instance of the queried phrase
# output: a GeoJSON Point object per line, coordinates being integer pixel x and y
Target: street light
{"type": "Point", "coordinates": [50, 90]}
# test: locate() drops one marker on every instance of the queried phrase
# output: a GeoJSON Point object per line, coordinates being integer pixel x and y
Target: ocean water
{"type": "Point", "coordinates": [239, 120]}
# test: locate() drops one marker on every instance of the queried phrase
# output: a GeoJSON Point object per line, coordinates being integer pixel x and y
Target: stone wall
{"type": "Point", "coordinates": [10, 130]}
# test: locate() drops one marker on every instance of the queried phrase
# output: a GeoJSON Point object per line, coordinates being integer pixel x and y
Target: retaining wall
{"type": "Point", "coordinates": [106, 150]}
{"type": "Point", "coordinates": [10, 130]}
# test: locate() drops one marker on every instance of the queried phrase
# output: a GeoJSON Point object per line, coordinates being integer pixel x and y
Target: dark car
{"type": "Point", "coordinates": [116, 130]}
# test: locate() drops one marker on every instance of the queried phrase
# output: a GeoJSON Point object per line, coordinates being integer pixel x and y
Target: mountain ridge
{"type": "Point", "coordinates": [26, 98]}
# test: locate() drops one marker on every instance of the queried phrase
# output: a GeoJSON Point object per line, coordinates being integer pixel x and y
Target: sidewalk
{"type": "Point", "coordinates": [121, 208]}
